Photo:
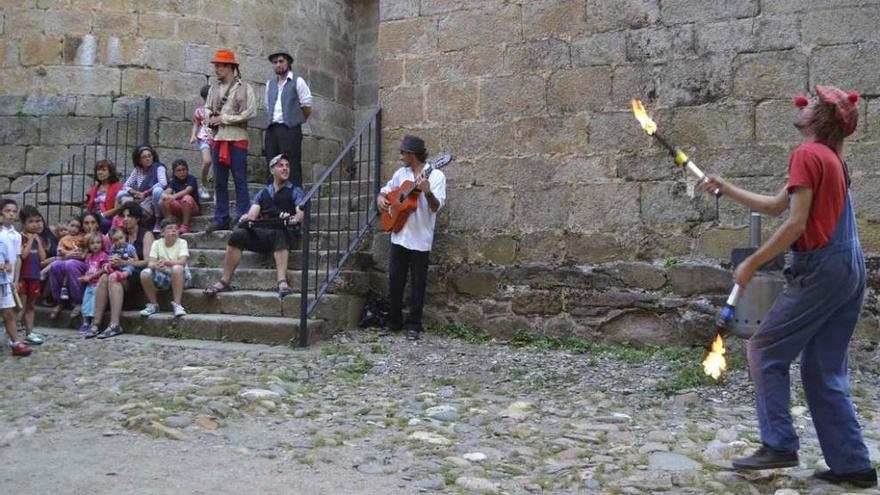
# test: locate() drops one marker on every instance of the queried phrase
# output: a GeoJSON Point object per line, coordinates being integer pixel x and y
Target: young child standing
{"type": "Point", "coordinates": [10, 250]}
{"type": "Point", "coordinates": [33, 254]}
{"type": "Point", "coordinates": [96, 260]}
{"type": "Point", "coordinates": [181, 198]}
{"type": "Point", "coordinates": [202, 134]}
{"type": "Point", "coordinates": [166, 269]}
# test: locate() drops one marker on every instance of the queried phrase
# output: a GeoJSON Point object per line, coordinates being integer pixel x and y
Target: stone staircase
{"type": "Point", "coordinates": [252, 311]}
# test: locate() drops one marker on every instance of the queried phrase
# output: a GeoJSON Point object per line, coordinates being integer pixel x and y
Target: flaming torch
{"type": "Point", "coordinates": [714, 363]}
{"type": "Point", "coordinates": [680, 158]}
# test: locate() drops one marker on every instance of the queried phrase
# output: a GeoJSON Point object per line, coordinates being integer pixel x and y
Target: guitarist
{"type": "Point", "coordinates": [411, 246]}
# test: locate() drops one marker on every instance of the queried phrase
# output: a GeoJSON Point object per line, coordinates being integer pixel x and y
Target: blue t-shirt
{"type": "Point", "coordinates": [178, 185]}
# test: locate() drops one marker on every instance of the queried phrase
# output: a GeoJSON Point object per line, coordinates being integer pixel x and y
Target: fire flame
{"type": "Point", "coordinates": [639, 111]}
{"type": "Point", "coordinates": [715, 363]}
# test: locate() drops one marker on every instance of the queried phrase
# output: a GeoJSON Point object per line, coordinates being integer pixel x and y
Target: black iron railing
{"type": "Point", "coordinates": [339, 208]}
{"type": "Point", "coordinates": [60, 191]}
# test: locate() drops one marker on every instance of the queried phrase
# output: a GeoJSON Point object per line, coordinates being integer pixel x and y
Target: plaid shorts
{"type": "Point", "coordinates": [162, 280]}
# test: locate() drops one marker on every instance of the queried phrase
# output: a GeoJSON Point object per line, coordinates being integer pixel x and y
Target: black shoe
{"type": "Point", "coordinates": [412, 334]}
{"type": "Point", "coordinates": [767, 458]}
{"type": "Point", "coordinates": [862, 479]}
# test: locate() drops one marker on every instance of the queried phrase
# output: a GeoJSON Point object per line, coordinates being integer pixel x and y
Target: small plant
{"type": "Point", "coordinates": [670, 261]}
{"type": "Point", "coordinates": [201, 261]}
{"type": "Point", "coordinates": [523, 337]}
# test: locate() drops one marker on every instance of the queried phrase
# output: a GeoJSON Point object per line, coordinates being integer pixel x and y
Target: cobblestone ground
{"type": "Point", "coordinates": [381, 415]}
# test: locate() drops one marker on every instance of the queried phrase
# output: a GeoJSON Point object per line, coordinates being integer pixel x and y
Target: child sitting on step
{"type": "Point", "coordinates": [166, 269]}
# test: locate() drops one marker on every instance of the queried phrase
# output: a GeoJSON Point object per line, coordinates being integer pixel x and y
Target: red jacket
{"type": "Point", "coordinates": [112, 190]}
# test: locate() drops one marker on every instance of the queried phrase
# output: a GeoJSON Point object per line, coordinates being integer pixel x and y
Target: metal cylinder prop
{"type": "Point", "coordinates": [760, 294]}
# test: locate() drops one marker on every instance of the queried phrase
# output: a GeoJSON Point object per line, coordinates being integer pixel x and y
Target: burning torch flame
{"type": "Point", "coordinates": [715, 363]}
{"type": "Point", "coordinates": [642, 116]}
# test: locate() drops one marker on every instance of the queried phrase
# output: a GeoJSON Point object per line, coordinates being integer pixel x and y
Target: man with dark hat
{"type": "Point", "coordinates": [411, 246]}
{"type": "Point", "coordinates": [278, 201]}
{"type": "Point", "coordinates": [815, 315]}
{"type": "Point", "coordinates": [289, 104]}
{"type": "Point", "coordinates": [231, 103]}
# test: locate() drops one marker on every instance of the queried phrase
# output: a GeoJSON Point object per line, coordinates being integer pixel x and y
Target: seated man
{"type": "Point", "coordinates": [279, 201]}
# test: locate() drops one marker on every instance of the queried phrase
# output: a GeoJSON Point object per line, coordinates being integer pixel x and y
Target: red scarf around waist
{"type": "Point", "coordinates": [224, 157]}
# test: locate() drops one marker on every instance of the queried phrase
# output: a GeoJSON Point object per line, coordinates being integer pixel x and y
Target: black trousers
{"type": "Point", "coordinates": [415, 263]}
{"type": "Point", "coordinates": [283, 139]}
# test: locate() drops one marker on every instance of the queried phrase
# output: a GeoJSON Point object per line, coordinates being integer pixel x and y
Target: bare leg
{"type": "Point", "coordinates": [230, 262]}
{"type": "Point", "coordinates": [206, 166]}
{"type": "Point", "coordinates": [281, 257]}
{"type": "Point", "coordinates": [186, 212]}
{"type": "Point", "coordinates": [30, 307]}
{"type": "Point", "coordinates": [177, 283]}
{"type": "Point", "coordinates": [165, 207]}
{"type": "Point", "coordinates": [148, 285]}
{"type": "Point", "coordinates": [11, 324]}
{"type": "Point", "coordinates": [117, 295]}
{"type": "Point", "coordinates": [100, 300]}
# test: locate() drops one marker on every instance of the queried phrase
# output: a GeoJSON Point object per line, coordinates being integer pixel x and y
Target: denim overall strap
{"type": "Point", "coordinates": [814, 317]}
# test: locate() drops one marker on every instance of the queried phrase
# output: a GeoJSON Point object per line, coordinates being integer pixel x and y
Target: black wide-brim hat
{"type": "Point", "coordinates": [283, 54]}
{"type": "Point", "coordinates": [412, 144]}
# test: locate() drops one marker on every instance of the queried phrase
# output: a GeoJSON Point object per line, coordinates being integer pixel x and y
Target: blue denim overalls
{"type": "Point", "coordinates": [814, 316]}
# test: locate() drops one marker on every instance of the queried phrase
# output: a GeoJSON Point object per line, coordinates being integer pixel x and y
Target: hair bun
{"type": "Point", "coordinates": [800, 101]}
{"type": "Point", "coordinates": [854, 96]}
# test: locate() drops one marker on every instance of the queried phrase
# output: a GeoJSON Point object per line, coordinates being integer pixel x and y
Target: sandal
{"type": "Point", "coordinates": [284, 289]}
{"type": "Point", "coordinates": [75, 312]}
{"type": "Point", "coordinates": [219, 286]}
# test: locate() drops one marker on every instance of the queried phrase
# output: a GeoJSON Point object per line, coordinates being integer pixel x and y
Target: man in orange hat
{"type": "Point", "coordinates": [230, 105]}
{"type": "Point", "coordinates": [815, 315]}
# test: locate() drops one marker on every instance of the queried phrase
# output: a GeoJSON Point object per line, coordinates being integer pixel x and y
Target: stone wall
{"type": "Point", "coordinates": [555, 185]}
{"type": "Point", "coordinates": [74, 64]}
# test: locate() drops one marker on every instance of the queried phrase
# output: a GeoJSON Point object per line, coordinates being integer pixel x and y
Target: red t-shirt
{"type": "Point", "coordinates": [818, 167]}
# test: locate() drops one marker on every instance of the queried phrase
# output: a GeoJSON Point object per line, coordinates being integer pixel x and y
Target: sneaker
{"type": "Point", "coordinates": [150, 309]}
{"type": "Point", "coordinates": [767, 458]}
{"type": "Point", "coordinates": [178, 309]}
{"type": "Point", "coordinates": [21, 349]}
{"type": "Point", "coordinates": [111, 331]}
{"type": "Point", "coordinates": [204, 195]}
{"type": "Point", "coordinates": [92, 332]}
{"type": "Point", "coordinates": [65, 294]}
{"type": "Point", "coordinates": [84, 328]}
{"type": "Point", "coordinates": [34, 339]}
{"type": "Point", "coordinates": [861, 479]}
{"type": "Point", "coordinates": [412, 334]}
{"type": "Point", "coordinates": [184, 229]}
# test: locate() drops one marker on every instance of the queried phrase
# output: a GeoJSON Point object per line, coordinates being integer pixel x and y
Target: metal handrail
{"type": "Point", "coordinates": [68, 170]}
{"type": "Point", "coordinates": [325, 276]}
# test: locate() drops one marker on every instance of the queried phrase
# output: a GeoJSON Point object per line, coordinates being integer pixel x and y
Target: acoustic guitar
{"type": "Point", "coordinates": [405, 199]}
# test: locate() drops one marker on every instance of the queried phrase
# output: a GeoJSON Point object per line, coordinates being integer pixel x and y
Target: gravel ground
{"type": "Point", "coordinates": [364, 414]}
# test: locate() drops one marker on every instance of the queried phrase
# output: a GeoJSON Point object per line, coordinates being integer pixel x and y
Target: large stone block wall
{"type": "Point", "coordinates": [69, 66]}
{"type": "Point", "coordinates": [555, 184]}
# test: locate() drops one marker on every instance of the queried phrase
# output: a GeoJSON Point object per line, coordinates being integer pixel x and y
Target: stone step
{"type": "Point", "coordinates": [327, 241]}
{"type": "Point", "coordinates": [213, 258]}
{"type": "Point", "coordinates": [348, 282]}
{"type": "Point", "coordinates": [339, 310]}
{"type": "Point", "coordinates": [236, 328]}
